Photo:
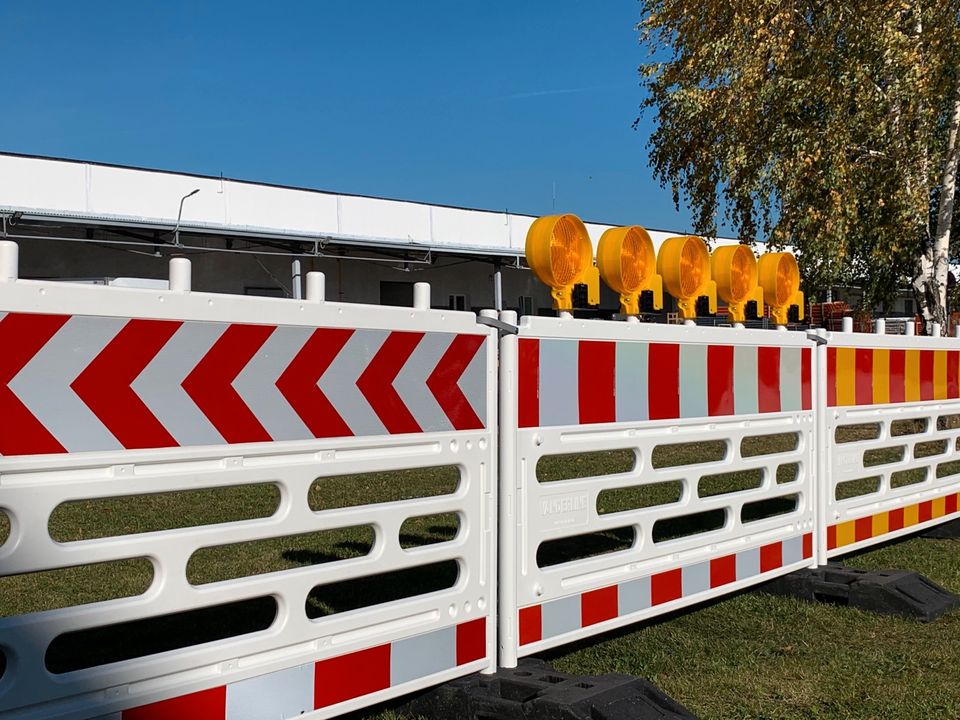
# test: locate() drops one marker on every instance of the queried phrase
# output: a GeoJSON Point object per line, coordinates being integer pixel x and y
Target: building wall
{"type": "Point", "coordinates": [347, 280]}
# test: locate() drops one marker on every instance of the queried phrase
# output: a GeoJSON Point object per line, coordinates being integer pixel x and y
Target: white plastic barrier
{"type": "Point", "coordinates": [575, 387]}
{"type": "Point", "coordinates": [108, 393]}
{"type": "Point", "coordinates": [891, 428]}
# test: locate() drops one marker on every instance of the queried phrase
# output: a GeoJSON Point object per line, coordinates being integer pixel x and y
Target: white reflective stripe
{"type": "Point", "coordinates": [559, 398]}
{"type": "Point", "coordinates": [257, 383]}
{"type": "Point", "coordinates": [790, 379]}
{"type": "Point", "coordinates": [339, 382]}
{"type": "Point", "coordinates": [473, 383]}
{"type": "Point", "coordinates": [44, 384]}
{"type": "Point", "coordinates": [159, 385]}
{"type": "Point", "coordinates": [422, 655]}
{"type": "Point", "coordinates": [411, 382]}
{"type": "Point", "coordinates": [284, 694]}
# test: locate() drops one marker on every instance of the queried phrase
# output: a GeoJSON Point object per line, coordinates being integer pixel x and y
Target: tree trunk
{"type": "Point", "coordinates": [930, 284]}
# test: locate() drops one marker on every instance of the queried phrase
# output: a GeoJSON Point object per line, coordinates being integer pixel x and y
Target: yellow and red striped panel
{"type": "Point", "coordinates": [877, 376]}
{"type": "Point", "coordinates": [872, 526]}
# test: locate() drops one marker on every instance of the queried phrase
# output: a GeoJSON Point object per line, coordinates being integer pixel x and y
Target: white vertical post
{"type": "Point", "coordinates": [497, 287]}
{"type": "Point", "coordinates": [564, 315]}
{"type": "Point", "coordinates": [316, 287]}
{"type": "Point", "coordinates": [956, 330]}
{"type": "Point", "coordinates": [909, 327]}
{"type": "Point", "coordinates": [421, 296]}
{"type": "Point", "coordinates": [295, 274]}
{"type": "Point", "coordinates": [508, 632]}
{"type": "Point", "coordinates": [846, 325]}
{"type": "Point", "coordinates": [180, 279]}
{"type": "Point", "coordinates": [880, 327]}
{"type": "Point", "coordinates": [9, 261]}
{"type": "Point", "coordinates": [821, 454]}
{"type": "Point", "coordinates": [935, 329]}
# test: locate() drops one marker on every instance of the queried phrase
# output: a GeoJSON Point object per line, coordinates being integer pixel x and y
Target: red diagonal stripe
{"type": "Point", "coordinates": [210, 386]}
{"type": "Point", "coordinates": [21, 337]}
{"type": "Point", "coordinates": [104, 385]}
{"type": "Point", "coordinates": [376, 382]}
{"type": "Point", "coordinates": [445, 376]}
{"type": "Point", "coordinates": [298, 383]}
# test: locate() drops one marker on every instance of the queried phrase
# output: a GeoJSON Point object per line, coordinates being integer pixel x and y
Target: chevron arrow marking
{"type": "Point", "coordinates": [22, 336]}
{"type": "Point", "coordinates": [298, 383]}
{"type": "Point", "coordinates": [210, 384]}
{"type": "Point", "coordinates": [105, 384]}
{"type": "Point", "coordinates": [376, 382]}
{"type": "Point", "coordinates": [444, 378]}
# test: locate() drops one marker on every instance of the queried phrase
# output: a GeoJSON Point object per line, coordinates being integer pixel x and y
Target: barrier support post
{"type": "Point", "coordinates": [9, 261]}
{"type": "Point", "coordinates": [508, 496]}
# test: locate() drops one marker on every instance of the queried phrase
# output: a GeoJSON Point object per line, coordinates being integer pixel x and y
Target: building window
{"type": "Point", "coordinates": [908, 307]}
{"type": "Point", "coordinates": [526, 305]}
{"type": "Point", "coordinates": [457, 302]}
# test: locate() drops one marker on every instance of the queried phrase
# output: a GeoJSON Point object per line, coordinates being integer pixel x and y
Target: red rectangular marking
{"type": "Point", "coordinates": [768, 379]}
{"type": "Point", "coordinates": [898, 375]}
{"type": "Point", "coordinates": [950, 504]}
{"type": "Point", "coordinates": [596, 381]}
{"type": "Point", "coordinates": [471, 641]}
{"type": "Point", "coordinates": [863, 527]}
{"type": "Point", "coordinates": [806, 379]}
{"type": "Point", "coordinates": [528, 382]}
{"type": "Point", "coordinates": [895, 520]}
{"type": "Point", "coordinates": [666, 586]}
{"type": "Point", "coordinates": [832, 537]}
{"type": "Point", "coordinates": [771, 557]}
{"type": "Point", "coordinates": [663, 381]}
{"type": "Point", "coordinates": [351, 676]}
{"type": "Point", "coordinates": [953, 374]}
{"type": "Point", "coordinates": [720, 379]}
{"type": "Point", "coordinates": [926, 374]}
{"type": "Point", "coordinates": [599, 605]}
{"type": "Point", "coordinates": [831, 376]}
{"type": "Point", "coordinates": [723, 570]}
{"type": "Point", "coordinates": [808, 546]}
{"type": "Point", "coordinates": [863, 376]}
{"type": "Point", "coordinates": [204, 705]}
{"type": "Point", "coordinates": [531, 624]}
{"type": "Point", "coordinates": [926, 511]}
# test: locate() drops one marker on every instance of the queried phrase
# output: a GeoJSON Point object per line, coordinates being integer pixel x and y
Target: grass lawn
{"type": "Point", "coordinates": [749, 656]}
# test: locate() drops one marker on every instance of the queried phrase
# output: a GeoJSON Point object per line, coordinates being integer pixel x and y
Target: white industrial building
{"type": "Point", "coordinates": [97, 222]}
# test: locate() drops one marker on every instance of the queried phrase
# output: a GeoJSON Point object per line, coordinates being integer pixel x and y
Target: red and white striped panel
{"type": "Point", "coordinates": [553, 619]}
{"type": "Point", "coordinates": [327, 683]}
{"type": "Point", "coordinates": [78, 383]}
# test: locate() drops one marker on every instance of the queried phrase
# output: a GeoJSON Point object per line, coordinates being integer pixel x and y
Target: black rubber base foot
{"type": "Point", "coordinates": [888, 592]}
{"type": "Point", "coordinates": [534, 691]}
{"type": "Point", "coordinates": [946, 531]}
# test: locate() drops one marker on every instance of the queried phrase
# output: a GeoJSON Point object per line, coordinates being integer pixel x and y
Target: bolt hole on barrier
{"type": "Point", "coordinates": [225, 506]}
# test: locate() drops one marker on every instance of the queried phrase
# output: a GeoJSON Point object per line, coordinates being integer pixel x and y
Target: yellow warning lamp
{"type": "Point", "coordinates": [780, 280]}
{"type": "Point", "coordinates": [684, 264]}
{"type": "Point", "coordinates": [734, 269]}
{"type": "Point", "coordinates": [560, 254]}
{"type": "Point", "coordinates": [627, 265]}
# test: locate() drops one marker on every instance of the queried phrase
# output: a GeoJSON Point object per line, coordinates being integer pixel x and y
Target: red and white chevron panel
{"type": "Point", "coordinates": [79, 383]}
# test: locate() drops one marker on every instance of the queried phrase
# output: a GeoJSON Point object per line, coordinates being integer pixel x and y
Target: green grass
{"type": "Point", "coordinates": [748, 656]}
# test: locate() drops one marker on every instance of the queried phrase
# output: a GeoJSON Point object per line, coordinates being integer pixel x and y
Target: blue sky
{"type": "Point", "coordinates": [475, 104]}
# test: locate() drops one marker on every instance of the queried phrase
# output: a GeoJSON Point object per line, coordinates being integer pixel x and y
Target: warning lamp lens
{"type": "Point", "coordinates": [691, 268]}
{"type": "Point", "coordinates": [788, 276]}
{"type": "Point", "coordinates": [633, 259]}
{"type": "Point", "coordinates": [741, 273]}
{"type": "Point", "coordinates": [566, 261]}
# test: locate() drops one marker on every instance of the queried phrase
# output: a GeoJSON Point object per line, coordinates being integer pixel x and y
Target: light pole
{"type": "Point", "coordinates": [176, 229]}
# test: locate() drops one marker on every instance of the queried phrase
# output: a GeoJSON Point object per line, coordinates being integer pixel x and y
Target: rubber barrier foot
{"type": "Point", "coordinates": [535, 691]}
{"type": "Point", "coordinates": [946, 531]}
{"type": "Point", "coordinates": [904, 593]}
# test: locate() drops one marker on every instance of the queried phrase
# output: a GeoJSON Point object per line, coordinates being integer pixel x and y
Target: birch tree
{"type": "Point", "coordinates": [827, 125]}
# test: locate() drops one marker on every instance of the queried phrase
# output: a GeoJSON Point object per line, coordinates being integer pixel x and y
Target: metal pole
{"type": "Point", "coordinates": [497, 287]}
{"type": "Point", "coordinates": [176, 229]}
{"type": "Point", "coordinates": [297, 290]}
